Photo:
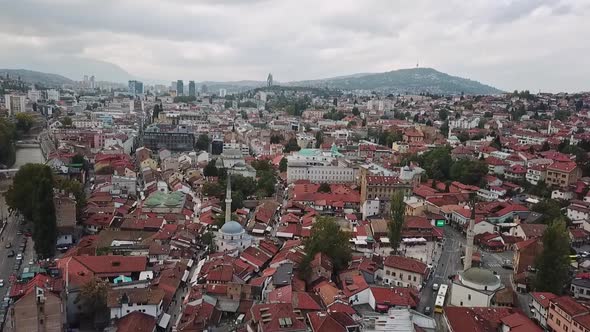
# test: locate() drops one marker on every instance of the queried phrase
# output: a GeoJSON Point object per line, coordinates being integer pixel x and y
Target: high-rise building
{"type": "Point", "coordinates": [192, 89]}
{"type": "Point", "coordinates": [135, 87]}
{"type": "Point", "coordinates": [53, 94]}
{"type": "Point", "coordinates": [222, 93]}
{"type": "Point", "coordinates": [179, 88]}
{"type": "Point", "coordinates": [92, 82]}
{"type": "Point", "coordinates": [15, 103]}
{"type": "Point", "coordinates": [204, 88]}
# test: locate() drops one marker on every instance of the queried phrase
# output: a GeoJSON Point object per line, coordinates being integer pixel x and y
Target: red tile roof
{"type": "Point", "coordinates": [569, 305]}
{"type": "Point", "coordinates": [477, 319]}
{"type": "Point", "coordinates": [136, 322]}
{"type": "Point", "coordinates": [543, 298]}
{"type": "Point", "coordinates": [406, 264]}
{"type": "Point", "coordinates": [393, 296]}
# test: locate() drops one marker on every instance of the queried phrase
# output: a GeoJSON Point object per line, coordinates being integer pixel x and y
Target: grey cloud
{"type": "Point", "coordinates": [485, 40]}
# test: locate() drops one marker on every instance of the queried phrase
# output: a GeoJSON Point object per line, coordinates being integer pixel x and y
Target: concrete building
{"type": "Point", "coordinates": [174, 138]}
{"type": "Point", "coordinates": [540, 302]}
{"type": "Point", "coordinates": [53, 95]}
{"type": "Point", "coordinates": [15, 103]}
{"type": "Point", "coordinates": [563, 174]}
{"type": "Point", "coordinates": [192, 89]}
{"type": "Point", "coordinates": [179, 88]}
{"type": "Point", "coordinates": [404, 272]}
{"type": "Point", "coordinates": [37, 311]}
{"type": "Point", "coordinates": [319, 166]}
{"type": "Point", "coordinates": [135, 87]}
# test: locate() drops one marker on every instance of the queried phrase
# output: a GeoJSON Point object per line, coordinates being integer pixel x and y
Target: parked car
{"type": "Point", "coordinates": [435, 287]}
{"type": "Point", "coordinates": [19, 257]}
{"type": "Point", "coordinates": [427, 311]}
{"type": "Point", "coordinates": [507, 264]}
{"type": "Point", "coordinates": [11, 253]}
{"type": "Point", "coordinates": [8, 245]}
{"type": "Point", "coordinates": [1, 282]}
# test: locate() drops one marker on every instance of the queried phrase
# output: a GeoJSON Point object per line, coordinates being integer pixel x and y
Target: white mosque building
{"type": "Point", "coordinates": [231, 237]}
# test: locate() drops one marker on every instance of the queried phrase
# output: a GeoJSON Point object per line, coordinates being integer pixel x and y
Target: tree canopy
{"type": "Point", "coordinates": [553, 263]}
{"type": "Point", "coordinates": [24, 122]}
{"type": "Point", "coordinates": [324, 188]}
{"type": "Point", "coordinates": [292, 145]}
{"type": "Point", "coordinates": [283, 165]}
{"type": "Point", "coordinates": [31, 194]}
{"type": "Point", "coordinates": [327, 237]}
{"type": "Point", "coordinates": [7, 137]}
{"type": "Point", "coordinates": [203, 142]}
{"type": "Point", "coordinates": [396, 219]}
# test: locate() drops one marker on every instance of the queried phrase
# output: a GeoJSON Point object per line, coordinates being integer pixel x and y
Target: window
{"type": "Point", "coordinates": [469, 297]}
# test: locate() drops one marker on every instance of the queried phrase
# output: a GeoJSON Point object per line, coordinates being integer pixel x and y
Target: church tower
{"type": "Point", "coordinates": [228, 199]}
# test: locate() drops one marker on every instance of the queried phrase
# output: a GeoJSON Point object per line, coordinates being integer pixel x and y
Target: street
{"type": "Point", "coordinates": [450, 264]}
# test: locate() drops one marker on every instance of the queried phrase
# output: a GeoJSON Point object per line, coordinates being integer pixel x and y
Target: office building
{"type": "Point", "coordinates": [222, 93]}
{"type": "Point", "coordinates": [135, 87]}
{"type": "Point", "coordinates": [53, 94]}
{"type": "Point", "coordinates": [15, 103]}
{"type": "Point", "coordinates": [192, 89]}
{"type": "Point", "coordinates": [171, 137]}
{"type": "Point", "coordinates": [179, 88]}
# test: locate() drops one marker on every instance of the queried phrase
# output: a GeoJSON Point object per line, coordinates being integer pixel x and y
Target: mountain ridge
{"type": "Point", "coordinates": [401, 81]}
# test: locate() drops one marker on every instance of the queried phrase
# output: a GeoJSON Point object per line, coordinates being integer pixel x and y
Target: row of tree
{"type": "Point", "coordinates": [31, 195]}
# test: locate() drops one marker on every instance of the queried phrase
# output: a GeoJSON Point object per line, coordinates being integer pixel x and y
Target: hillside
{"type": "Point", "coordinates": [30, 76]}
{"type": "Point", "coordinates": [415, 80]}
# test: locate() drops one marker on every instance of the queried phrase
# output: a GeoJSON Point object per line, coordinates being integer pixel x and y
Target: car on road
{"type": "Point", "coordinates": [19, 233]}
{"type": "Point", "coordinates": [19, 257]}
{"type": "Point", "coordinates": [1, 282]}
{"type": "Point", "coordinates": [31, 262]}
{"type": "Point", "coordinates": [11, 253]}
{"type": "Point", "coordinates": [507, 264]}
{"type": "Point", "coordinates": [435, 287]}
{"type": "Point", "coordinates": [427, 311]}
{"type": "Point", "coordinates": [584, 254]}
{"type": "Point", "coordinates": [8, 245]}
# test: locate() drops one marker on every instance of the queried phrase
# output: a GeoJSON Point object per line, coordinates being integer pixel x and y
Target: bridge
{"type": "Point", "coordinates": [30, 143]}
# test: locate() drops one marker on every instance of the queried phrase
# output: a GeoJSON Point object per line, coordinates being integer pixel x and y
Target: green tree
{"type": "Point", "coordinates": [78, 159]}
{"type": "Point", "coordinates": [292, 145]}
{"type": "Point", "coordinates": [19, 196]}
{"type": "Point", "coordinates": [283, 165]}
{"type": "Point", "coordinates": [324, 188]}
{"type": "Point", "coordinates": [468, 171]}
{"type": "Point", "coordinates": [496, 143]}
{"type": "Point", "coordinates": [211, 169]}
{"type": "Point", "coordinates": [212, 189]}
{"type": "Point", "coordinates": [355, 111]}
{"type": "Point", "coordinates": [443, 114]}
{"type": "Point", "coordinates": [550, 209]}
{"type": "Point", "coordinates": [44, 223]}
{"type": "Point", "coordinates": [444, 128]}
{"type": "Point", "coordinates": [93, 298]}
{"type": "Point", "coordinates": [319, 139]}
{"type": "Point", "coordinates": [396, 219]}
{"type": "Point", "coordinates": [203, 142]}
{"type": "Point", "coordinates": [327, 237]}
{"type": "Point", "coordinates": [553, 263]}
{"type": "Point", "coordinates": [276, 139]}
{"type": "Point", "coordinates": [24, 122]}
{"type": "Point", "coordinates": [7, 138]}
{"type": "Point", "coordinates": [66, 121]}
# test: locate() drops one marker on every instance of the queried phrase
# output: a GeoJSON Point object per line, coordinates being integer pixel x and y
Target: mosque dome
{"type": "Point", "coordinates": [232, 227]}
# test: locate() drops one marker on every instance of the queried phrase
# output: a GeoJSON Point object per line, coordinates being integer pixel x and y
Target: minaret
{"type": "Point", "coordinates": [470, 235]}
{"type": "Point", "coordinates": [228, 199]}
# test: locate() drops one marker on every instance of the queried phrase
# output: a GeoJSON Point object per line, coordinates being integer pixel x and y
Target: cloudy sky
{"type": "Point", "coordinates": [520, 44]}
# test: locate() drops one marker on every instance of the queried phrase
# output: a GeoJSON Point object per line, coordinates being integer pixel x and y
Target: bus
{"type": "Point", "coordinates": [440, 298]}
{"type": "Point", "coordinates": [439, 304]}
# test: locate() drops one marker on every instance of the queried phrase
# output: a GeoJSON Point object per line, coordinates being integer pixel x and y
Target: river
{"type": "Point", "coordinates": [28, 155]}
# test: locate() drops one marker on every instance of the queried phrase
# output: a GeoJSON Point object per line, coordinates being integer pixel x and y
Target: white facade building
{"type": "Point", "coordinates": [15, 103]}
{"type": "Point", "coordinates": [475, 288]}
{"type": "Point", "coordinates": [320, 166]}
{"type": "Point", "coordinates": [232, 238]}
